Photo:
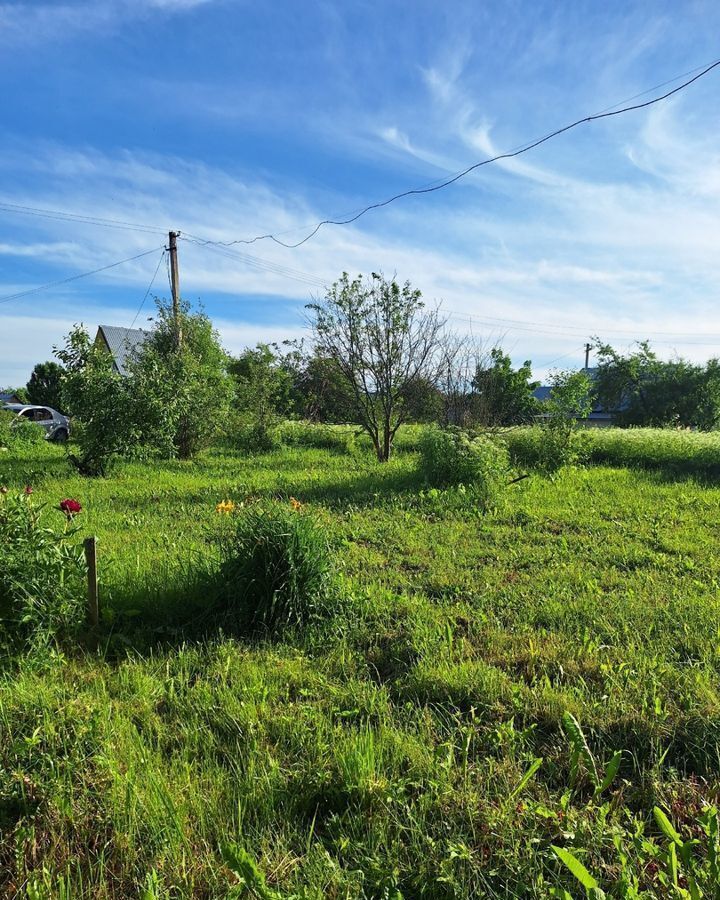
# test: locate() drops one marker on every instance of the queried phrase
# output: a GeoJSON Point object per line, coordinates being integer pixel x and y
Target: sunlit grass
{"type": "Point", "coordinates": [382, 753]}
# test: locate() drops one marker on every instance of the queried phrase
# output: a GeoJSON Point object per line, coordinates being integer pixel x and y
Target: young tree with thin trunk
{"type": "Point", "coordinates": [383, 341]}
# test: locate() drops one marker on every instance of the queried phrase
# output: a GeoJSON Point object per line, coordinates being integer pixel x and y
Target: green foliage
{"type": "Point", "coordinates": [183, 392]}
{"type": "Point", "coordinates": [393, 750]}
{"type": "Point", "coordinates": [322, 437]}
{"type": "Point", "coordinates": [17, 432]}
{"type": "Point", "coordinates": [19, 392]}
{"type": "Point", "coordinates": [503, 395]}
{"type": "Point", "coordinates": [41, 579]}
{"type": "Point", "coordinates": [643, 390]}
{"type": "Point", "coordinates": [423, 401]}
{"type": "Point", "coordinates": [276, 569]}
{"type": "Point", "coordinates": [263, 391]}
{"type": "Point", "coordinates": [322, 392]}
{"type": "Point", "coordinates": [557, 442]}
{"type": "Point", "coordinates": [675, 451]}
{"type": "Point", "coordinates": [100, 401]}
{"type": "Point", "coordinates": [45, 385]}
{"type": "Point", "coordinates": [378, 335]}
{"type": "Point", "coordinates": [452, 456]}
{"type": "Point", "coordinates": [570, 399]}
{"type": "Point", "coordinates": [249, 874]}
{"type": "Point", "coordinates": [173, 400]}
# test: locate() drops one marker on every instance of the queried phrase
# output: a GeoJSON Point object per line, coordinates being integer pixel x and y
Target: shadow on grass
{"type": "Point", "coordinates": [21, 470]}
{"type": "Point", "coordinates": [372, 488]}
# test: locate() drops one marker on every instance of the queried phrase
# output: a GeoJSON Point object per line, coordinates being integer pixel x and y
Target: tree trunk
{"type": "Point", "coordinates": [384, 452]}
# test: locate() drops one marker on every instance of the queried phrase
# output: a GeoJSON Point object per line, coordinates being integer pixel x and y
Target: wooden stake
{"type": "Point", "coordinates": [93, 608]}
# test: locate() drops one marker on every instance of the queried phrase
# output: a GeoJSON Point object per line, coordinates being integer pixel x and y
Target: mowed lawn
{"type": "Point", "coordinates": [413, 746]}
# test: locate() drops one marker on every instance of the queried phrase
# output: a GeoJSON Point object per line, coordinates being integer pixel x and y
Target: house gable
{"type": "Point", "coordinates": [121, 343]}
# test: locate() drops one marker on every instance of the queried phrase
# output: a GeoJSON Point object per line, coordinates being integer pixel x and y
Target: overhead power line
{"type": "Point", "coordinates": [565, 329]}
{"type": "Point", "coordinates": [266, 265]}
{"type": "Point", "coordinates": [52, 284]}
{"type": "Point", "coordinates": [523, 148]}
{"type": "Point", "coordinates": [561, 332]}
{"type": "Point", "coordinates": [152, 281]}
{"type": "Point", "coordinates": [79, 218]}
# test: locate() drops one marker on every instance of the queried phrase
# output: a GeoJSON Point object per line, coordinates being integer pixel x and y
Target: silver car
{"type": "Point", "coordinates": [56, 425]}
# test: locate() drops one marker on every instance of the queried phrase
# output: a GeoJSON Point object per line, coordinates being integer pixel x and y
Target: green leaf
{"type": "Point", "coordinates": [534, 766]}
{"type": "Point", "coordinates": [673, 865]}
{"type": "Point", "coordinates": [576, 868]}
{"type": "Point", "coordinates": [580, 746]}
{"type": "Point", "coordinates": [666, 827]}
{"type": "Point", "coordinates": [611, 771]}
{"type": "Point", "coordinates": [239, 861]}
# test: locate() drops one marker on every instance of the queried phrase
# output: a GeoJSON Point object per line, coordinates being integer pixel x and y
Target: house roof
{"type": "Point", "coordinates": [8, 397]}
{"type": "Point", "coordinates": [122, 343]}
{"type": "Point", "coordinates": [542, 392]}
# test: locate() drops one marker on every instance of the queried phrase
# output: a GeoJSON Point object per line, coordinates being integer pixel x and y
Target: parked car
{"type": "Point", "coordinates": [56, 425]}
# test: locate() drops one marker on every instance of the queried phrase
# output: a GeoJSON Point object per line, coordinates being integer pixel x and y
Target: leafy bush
{"type": "Point", "coordinates": [452, 456]}
{"type": "Point", "coordinates": [322, 437]}
{"type": "Point", "coordinates": [546, 449]}
{"type": "Point", "coordinates": [16, 432]}
{"type": "Point", "coordinates": [277, 567]}
{"type": "Point", "coordinates": [255, 438]}
{"type": "Point", "coordinates": [558, 442]}
{"type": "Point", "coordinates": [42, 576]}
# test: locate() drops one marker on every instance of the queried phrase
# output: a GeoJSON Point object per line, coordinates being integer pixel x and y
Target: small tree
{"type": "Point", "coordinates": [382, 339]}
{"type": "Point", "coordinates": [461, 356]}
{"type": "Point", "coordinates": [322, 391]}
{"type": "Point", "coordinates": [45, 385]}
{"type": "Point", "coordinates": [570, 400]}
{"type": "Point", "coordinates": [504, 395]}
{"type": "Point", "coordinates": [185, 389]}
{"type": "Point", "coordinates": [98, 400]}
{"type": "Point", "coordinates": [263, 387]}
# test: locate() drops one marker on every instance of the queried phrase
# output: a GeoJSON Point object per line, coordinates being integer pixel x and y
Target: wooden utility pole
{"type": "Point", "coordinates": [588, 348]}
{"type": "Point", "coordinates": [175, 280]}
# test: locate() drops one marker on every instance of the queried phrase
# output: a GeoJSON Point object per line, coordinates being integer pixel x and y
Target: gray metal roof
{"type": "Point", "coordinates": [122, 343]}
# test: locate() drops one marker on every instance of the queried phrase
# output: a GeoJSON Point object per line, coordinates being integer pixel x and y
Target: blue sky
{"type": "Point", "coordinates": [226, 119]}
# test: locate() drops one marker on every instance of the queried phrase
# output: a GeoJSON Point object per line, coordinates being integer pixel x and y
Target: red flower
{"type": "Point", "coordinates": [70, 507]}
{"type": "Point", "coordinates": [28, 489]}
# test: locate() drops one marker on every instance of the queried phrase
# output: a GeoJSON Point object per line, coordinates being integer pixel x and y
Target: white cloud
{"type": "Point", "coordinates": [613, 258]}
{"type": "Point", "coordinates": [35, 23]}
{"type": "Point", "coordinates": [56, 249]}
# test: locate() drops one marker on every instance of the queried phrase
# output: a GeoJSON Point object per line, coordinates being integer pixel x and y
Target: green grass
{"type": "Point", "coordinates": [390, 751]}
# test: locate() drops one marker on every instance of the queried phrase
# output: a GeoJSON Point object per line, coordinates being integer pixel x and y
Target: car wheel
{"type": "Point", "coordinates": [60, 436]}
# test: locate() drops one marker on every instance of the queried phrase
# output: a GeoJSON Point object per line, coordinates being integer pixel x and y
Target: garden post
{"type": "Point", "coordinates": [93, 611]}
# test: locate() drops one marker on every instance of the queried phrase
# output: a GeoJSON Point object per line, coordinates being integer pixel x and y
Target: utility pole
{"type": "Point", "coordinates": [175, 280]}
{"type": "Point", "coordinates": [588, 348]}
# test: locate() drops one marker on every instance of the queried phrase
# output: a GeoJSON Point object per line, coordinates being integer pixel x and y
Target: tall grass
{"type": "Point", "coordinates": [674, 450]}
{"type": "Point", "coordinates": [680, 451]}
{"type": "Point", "coordinates": [452, 732]}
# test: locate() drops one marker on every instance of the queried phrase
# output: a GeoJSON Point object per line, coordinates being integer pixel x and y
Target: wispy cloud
{"type": "Point", "coordinates": [611, 229]}
{"type": "Point", "coordinates": [36, 23]}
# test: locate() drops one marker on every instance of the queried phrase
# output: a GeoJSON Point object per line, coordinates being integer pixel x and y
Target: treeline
{"type": "Point", "coordinates": [376, 357]}
{"type": "Point", "coordinates": [641, 390]}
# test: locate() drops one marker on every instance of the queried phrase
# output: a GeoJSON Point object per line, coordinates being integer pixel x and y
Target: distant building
{"type": "Point", "coordinates": [121, 343]}
{"type": "Point", "coordinates": [598, 417]}
{"type": "Point", "coordinates": [9, 397]}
